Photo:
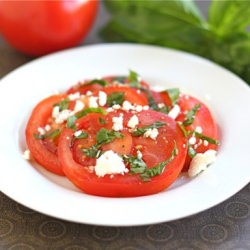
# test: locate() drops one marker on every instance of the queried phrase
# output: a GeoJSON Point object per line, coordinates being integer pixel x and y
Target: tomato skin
{"type": "Point", "coordinates": [127, 185]}
{"type": "Point", "coordinates": [38, 150]}
{"type": "Point", "coordinates": [41, 27]}
{"type": "Point", "coordinates": [203, 119]}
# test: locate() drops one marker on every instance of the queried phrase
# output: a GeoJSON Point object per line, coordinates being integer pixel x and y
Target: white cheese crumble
{"type": "Point", "coordinates": [151, 133]}
{"type": "Point", "coordinates": [118, 123]}
{"type": "Point", "coordinates": [74, 96]}
{"type": "Point", "coordinates": [77, 133]}
{"type": "Point", "coordinates": [110, 163]}
{"type": "Point", "coordinates": [62, 116]}
{"type": "Point", "coordinates": [93, 102]}
{"type": "Point", "coordinates": [41, 131]}
{"type": "Point", "coordinates": [201, 161]}
{"type": "Point", "coordinates": [133, 121]}
{"type": "Point", "coordinates": [26, 155]}
{"type": "Point", "coordinates": [198, 129]}
{"type": "Point", "coordinates": [47, 127]}
{"type": "Point", "coordinates": [192, 140]}
{"type": "Point", "coordinates": [79, 106]}
{"type": "Point", "coordinates": [174, 112]}
{"type": "Point", "coordinates": [102, 98]}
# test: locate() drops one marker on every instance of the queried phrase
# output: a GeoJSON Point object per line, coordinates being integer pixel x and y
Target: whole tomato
{"type": "Point", "coordinates": [41, 27]}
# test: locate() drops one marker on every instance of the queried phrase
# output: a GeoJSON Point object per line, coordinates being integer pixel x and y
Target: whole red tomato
{"type": "Point", "coordinates": [40, 27]}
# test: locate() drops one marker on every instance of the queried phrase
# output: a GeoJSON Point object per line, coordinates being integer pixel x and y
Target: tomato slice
{"type": "Point", "coordinates": [79, 168]}
{"type": "Point", "coordinates": [44, 151]}
{"type": "Point", "coordinates": [203, 123]}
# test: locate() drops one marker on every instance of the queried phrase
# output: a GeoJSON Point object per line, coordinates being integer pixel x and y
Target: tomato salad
{"type": "Point", "coordinates": [117, 137]}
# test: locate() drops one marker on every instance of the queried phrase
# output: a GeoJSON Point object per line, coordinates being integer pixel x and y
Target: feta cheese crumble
{"type": "Point", "coordinates": [201, 161]}
{"type": "Point", "coordinates": [133, 121]}
{"type": "Point", "coordinates": [102, 98]}
{"type": "Point", "coordinates": [109, 163]}
{"type": "Point", "coordinates": [26, 155]}
{"type": "Point", "coordinates": [118, 123]}
{"type": "Point", "coordinates": [151, 133]}
{"type": "Point", "coordinates": [174, 112]}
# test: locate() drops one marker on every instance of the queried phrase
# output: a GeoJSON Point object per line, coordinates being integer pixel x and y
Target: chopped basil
{"type": "Point", "coordinates": [209, 139]}
{"type": "Point", "coordinates": [142, 130]}
{"type": "Point", "coordinates": [159, 168]}
{"type": "Point", "coordinates": [71, 120]}
{"type": "Point", "coordinates": [102, 121]}
{"type": "Point", "coordinates": [115, 98]}
{"type": "Point", "coordinates": [173, 94]}
{"type": "Point", "coordinates": [62, 104]}
{"type": "Point", "coordinates": [82, 135]}
{"type": "Point", "coordinates": [52, 134]}
{"type": "Point", "coordinates": [98, 81]}
{"type": "Point", "coordinates": [133, 79]}
{"type": "Point", "coordinates": [92, 152]}
{"type": "Point", "coordinates": [189, 118]}
{"type": "Point", "coordinates": [103, 136]}
{"type": "Point", "coordinates": [137, 165]}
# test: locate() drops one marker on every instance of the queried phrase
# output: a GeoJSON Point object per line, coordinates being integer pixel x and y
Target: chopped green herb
{"type": "Point", "coordinates": [159, 168]}
{"type": "Point", "coordinates": [103, 136]}
{"type": "Point", "coordinates": [71, 120]}
{"type": "Point", "coordinates": [62, 104]}
{"type": "Point", "coordinates": [142, 130]}
{"type": "Point", "coordinates": [191, 151]}
{"type": "Point", "coordinates": [115, 98]}
{"type": "Point", "coordinates": [102, 121]}
{"type": "Point", "coordinates": [137, 165]}
{"type": "Point", "coordinates": [173, 94]}
{"type": "Point", "coordinates": [209, 139]}
{"type": "Point", "coordinates": [189, 118]}
{"type": "Point", "coordinates": [98, 81]}
{"type": "Point", "coordinates": [133, 79]}
{"type": "Point", "coordinates": [52, 134]}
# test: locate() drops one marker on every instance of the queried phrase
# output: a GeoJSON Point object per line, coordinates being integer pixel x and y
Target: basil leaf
{"type": "Point", "coordinates": [142, 130]}
{"type": "Point", "coordinates": [71, 120]}
{"type": "Point", "coordinates": [115, 98]}
{"type": "Point", "coordinates": [173, 94]}
{"type": "Point", "coordinates": [102, 121]}
{"type": "Point", "coordinates": [98, 81]}
{"type": "Point", "coordinates": [92, 152]}
{"type": "Point", "coordinates": [189, 118]}
{"type": "Point", "coordinates": [133, 79]}
{"type": "Point", "coordinates": [159, 168]}
{"type": "Point", "coordinates": [52, 134]}
{"type": "Point", "coordinates": [62, 104]}
{"type": "Point", "coordinates": [103, 136]}
{"type": "Point", "coordinates": [137, 165]}
{"type": "Point", "coordinates": [209, 139]}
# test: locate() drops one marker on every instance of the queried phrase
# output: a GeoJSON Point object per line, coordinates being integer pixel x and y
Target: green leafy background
{"type": "Point", "coordinates": [222, 36]}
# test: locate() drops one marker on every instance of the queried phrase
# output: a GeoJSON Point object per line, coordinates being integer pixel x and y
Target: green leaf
{"type": "Point", "coordinates": [62, 104]}
{"type": "Point", "coordinates": [158, 22]}
{"type": "Point", "coordinates": [137, 165]}
{"type": "Point", "coordinates": [52, 134]}
{"type": "Point", "coordinates": [103, 136]}
{"type": "Point", "coordinates": [99, 81]}
{"type": "Point", "coordinates": [207, 138]}
{"type": "Point", "coordinates": [142, 130]}
{"type": "Point", "coordinates": [133, 79]}
{"type": "Point", "coordinates": [189, 118]}
{"type": "Point", "coordinates": [71, 120]}
{"type": "Point", "coordinates": [159, 168]}
{"type": "Point", "coordinates": [173, 94]}
{"type": "Point", "coordinates": [115, 98]}
{"type": "Point", "coordinates": [228, 16]}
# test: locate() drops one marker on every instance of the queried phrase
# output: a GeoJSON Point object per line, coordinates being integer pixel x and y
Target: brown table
{"type": "Point", "coordinates": [225, 226]}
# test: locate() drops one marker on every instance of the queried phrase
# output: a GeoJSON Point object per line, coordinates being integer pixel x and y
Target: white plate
{"type": "Point", "coordinates": [227, 96]}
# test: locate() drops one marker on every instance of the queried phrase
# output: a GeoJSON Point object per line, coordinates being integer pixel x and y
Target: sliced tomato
{"type": "Point", "coordinates": [44, 151]}
{"type": "Point", "coordinates": [203, 123]}
{"type": "Point", "coordinates": [130, 94]}
{"type": "Point", "coordinates": [82, 174]}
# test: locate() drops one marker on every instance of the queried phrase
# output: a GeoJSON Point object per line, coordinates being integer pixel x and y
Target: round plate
{"type": "Point", "coordinates": [29, 184]}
